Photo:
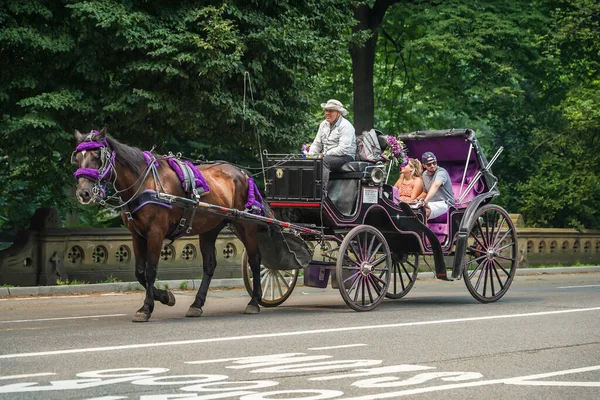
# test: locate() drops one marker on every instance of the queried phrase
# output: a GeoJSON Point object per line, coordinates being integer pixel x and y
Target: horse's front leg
{"type": "Point", "coordinates": [209, 263]}
{"type": "Point", "coordinates": [147, 253]}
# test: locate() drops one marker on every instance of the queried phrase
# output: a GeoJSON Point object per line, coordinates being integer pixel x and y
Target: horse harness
{"type": "Point", "coordinates": [193, 184]}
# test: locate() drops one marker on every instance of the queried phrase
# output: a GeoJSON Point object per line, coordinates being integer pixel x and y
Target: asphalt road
{"type": "Point", "coordinates": [541, 341]}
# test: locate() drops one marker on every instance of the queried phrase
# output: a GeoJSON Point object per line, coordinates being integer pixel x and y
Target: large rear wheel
{"type": "Point", "coordinates": [405, 268]}
{"type": "Point", "coordinates": [277, 285]}
{"type": "Point", "coordinates": [492, 254]}
{"type": "Point", "coordinates": [363, 268]}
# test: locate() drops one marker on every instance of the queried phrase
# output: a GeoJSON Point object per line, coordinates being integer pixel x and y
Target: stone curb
{"type": "Point", "coordinates": [190, 284]}
{"type": "Point", "coordinates": [194, 284]}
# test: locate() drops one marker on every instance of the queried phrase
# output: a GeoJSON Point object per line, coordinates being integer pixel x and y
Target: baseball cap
{"type": "Point", "coordinates": [428, 157]}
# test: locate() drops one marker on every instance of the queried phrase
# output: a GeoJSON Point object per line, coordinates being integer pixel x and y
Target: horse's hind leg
{"type": "Point", "coordinates": [145, 273]}
{"type": "Point", "coordinates": [209, 263]}
{"type": "Point", "coordinates": [247, 234]}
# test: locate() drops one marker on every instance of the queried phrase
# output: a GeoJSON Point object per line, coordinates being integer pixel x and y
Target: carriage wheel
{"type": "Point", "coordinates": [277, 285]}
{"type": "Point", "coordinates": [363, 268]}
{"type": "Point", "coordinates": [405, 268]}
{"type": "Point", "coordinates": [491, 255]}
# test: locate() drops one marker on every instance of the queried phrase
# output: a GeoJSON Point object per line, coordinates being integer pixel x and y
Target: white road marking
{"type": "Point", "coordinates": [520, 380]}
{"type": "Point", "coordinates": [109, 398]}
{"type": "Point", "coordinates": [293, 333]}
{"type": "Point", "coordinates": [62, 318]}
{"type": "Point", "coordinates": [577, 287]}
{"type": "Point", "coordinates": [338, 347]}
{"type": "Point", "coordinates": [6, 377]}
{"type": "Point", "coordinates": [44, 297]}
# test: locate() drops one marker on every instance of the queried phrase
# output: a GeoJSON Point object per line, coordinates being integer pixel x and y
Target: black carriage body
{"type": "Point", "coordinates": [294, 198]}
{"type": "Point", "coordinates": [379, 239]}
{"type": "Point", "coordinates": [294, 179]}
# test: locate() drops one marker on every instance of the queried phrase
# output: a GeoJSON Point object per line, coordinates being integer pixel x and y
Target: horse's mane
{"type": "Point", "coordinates": [131, 157]}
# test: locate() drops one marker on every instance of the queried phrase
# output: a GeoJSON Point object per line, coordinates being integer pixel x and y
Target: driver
{"type": "Point", "coordinates": [335, 140]}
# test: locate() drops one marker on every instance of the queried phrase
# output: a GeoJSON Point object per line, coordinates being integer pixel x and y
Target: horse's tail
{"type": "Point", "coordinates": [268, 212]}
{"type": "Point", "coordinates": [256, 204]}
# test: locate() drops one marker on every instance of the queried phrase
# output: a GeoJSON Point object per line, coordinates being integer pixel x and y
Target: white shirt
{"type": "Point", "coordinates": [338, 140]}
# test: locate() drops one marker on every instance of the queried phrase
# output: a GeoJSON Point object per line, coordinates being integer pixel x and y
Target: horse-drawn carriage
{"type": "Point", "coordinates": [371, 245]}
{"type": "Point", "coordinates": [356, 233]}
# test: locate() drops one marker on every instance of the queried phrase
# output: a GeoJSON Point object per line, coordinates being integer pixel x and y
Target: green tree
{"type": "Point", "coordinates": [171, 74]}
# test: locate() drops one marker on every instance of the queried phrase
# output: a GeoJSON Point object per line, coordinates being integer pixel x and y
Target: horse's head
{"type": "Point", "coordinates": [95, 162]}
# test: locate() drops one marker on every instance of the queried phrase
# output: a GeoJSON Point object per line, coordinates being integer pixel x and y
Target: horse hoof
{"type": "Point", "coordinates": [251, 309]}
{"type": "Point", "coordinates": [140, 317]}
{"type": "Point", "coordinates": [193, 312]}
{"type": "Point", "coordinates": [171, 301]}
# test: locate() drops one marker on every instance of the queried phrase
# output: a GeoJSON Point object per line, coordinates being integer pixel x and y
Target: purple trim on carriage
{"type": "Point", "coordinates": [148, 156]}
{"type": "Point", "coordinates": [255, 200]}
{"type": "Point", "coordinates": [200, 181]}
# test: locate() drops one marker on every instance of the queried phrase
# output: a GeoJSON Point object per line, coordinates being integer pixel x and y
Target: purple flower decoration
{"type": "Point", "coordinates": [395, 151]}
{"type": "Point", "coordinates": [305, 148]}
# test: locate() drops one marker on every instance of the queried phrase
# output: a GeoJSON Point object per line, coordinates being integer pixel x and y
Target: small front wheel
{"type": "Point", "coordinates": [363, 268]}
{"type": "Point", "coordinates": [405, 268]}
{"type": "Point", "coordinates": [277, 285]}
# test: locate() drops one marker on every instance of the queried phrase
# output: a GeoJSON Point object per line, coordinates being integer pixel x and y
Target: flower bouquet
{"type": "Point", "coordinates": [395, 152]}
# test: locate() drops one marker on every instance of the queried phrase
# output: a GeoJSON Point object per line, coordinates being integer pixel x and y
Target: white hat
{"type": "Point", "coordinates": [335, 105]}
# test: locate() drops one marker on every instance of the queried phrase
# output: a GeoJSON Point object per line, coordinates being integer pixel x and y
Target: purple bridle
{"type": "Point", "coordinates": [107, 157]}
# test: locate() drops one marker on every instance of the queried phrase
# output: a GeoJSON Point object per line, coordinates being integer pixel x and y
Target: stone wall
{"type": "Point", "coordinates": [101, 255]}
{"type": "Point", "coordinates": [43, 255]}
{"type": "Point", "coordinates": [558, 247]}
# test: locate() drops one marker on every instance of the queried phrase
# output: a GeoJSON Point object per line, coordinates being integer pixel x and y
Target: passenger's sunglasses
{"type": "Point", "coordinates": [431, 164]}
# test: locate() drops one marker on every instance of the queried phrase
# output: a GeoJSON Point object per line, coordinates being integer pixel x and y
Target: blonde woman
{"type": "Point", "coordinates": [410, 183]}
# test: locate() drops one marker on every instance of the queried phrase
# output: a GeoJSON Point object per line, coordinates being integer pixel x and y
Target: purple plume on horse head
{"type": "Point", "coordinates": [93, 136]}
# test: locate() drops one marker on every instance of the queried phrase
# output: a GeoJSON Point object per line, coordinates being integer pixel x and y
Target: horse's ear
{"type": "Point", "coordinates": [102, 133]}
{"type": "Point", "coordinates": [79, 136]}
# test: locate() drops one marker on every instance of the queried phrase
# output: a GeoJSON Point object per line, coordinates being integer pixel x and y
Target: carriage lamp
{"type": "Point", "coordinates": [377, 175]}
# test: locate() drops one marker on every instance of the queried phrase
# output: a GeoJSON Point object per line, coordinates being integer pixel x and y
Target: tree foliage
{"type": "Point", "coordinates": [207, 80]}
{"type": "Point", "coordinates": [223, 79]}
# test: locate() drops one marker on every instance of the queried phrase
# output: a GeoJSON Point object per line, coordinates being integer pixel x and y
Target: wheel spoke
{"type": "Point", "coordinates": [500, 225]}
{"type": "Point", "coordinates": [502, 268]}
{"type": "Point", "coordinates": [500, 282]}
{"type": "Point", "coordinates": [370, 248]}
{"type": "Point", "coordinates": [374, 253]}
{"type": "Point", "coordinates": [355, 251]}
{"type": "Point", "coordinates": [377, 281]}
{"type": "Point", "coordinates": [506, 258]}
{"type": "Point", "coordinates": [354, 278]}
{"type": "Point", "coordinates": [367, 283]}
{"type": "Point", "coordinates": [475, 260]}
{"type": "Point", "coordinates": [355, 262]}
{"type": "Point", "coordinates": [482, 234]}
{"type": "Point", "coordinates": [379, 260]}
{"type": "Point", "coordinates": [479, 266]}
{"type": "Point", "coordinates": [479, 242]}
{"type": "Point", "coordinates": [505, 246]}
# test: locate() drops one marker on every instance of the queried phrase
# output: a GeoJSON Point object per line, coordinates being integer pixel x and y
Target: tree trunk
{"type": "Point", "coordinates": [363, 62]}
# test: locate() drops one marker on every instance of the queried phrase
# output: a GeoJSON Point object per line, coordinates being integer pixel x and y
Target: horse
{"type": "Point", "coordinates": [142, 181]}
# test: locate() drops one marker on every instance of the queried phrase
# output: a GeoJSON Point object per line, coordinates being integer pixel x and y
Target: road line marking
{"type": "Point", "coordinates": [6, 377]}
{"type": "Point", "coordinates": [44, 297]}
{"type": "Point", "coordinates": [343, 346]}
{"type": "Point", "coordinates": [575, 287]}
{"type": "Point", "coordinates": [518, 380]}
{"type": "Point", "coordinates": [293, 333]}
{"type": "Point", "coordinates": [62, 318]}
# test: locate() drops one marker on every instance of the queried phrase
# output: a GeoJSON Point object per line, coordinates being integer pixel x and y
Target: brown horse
{"type": "Point", "coordinates": [140, 180]}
